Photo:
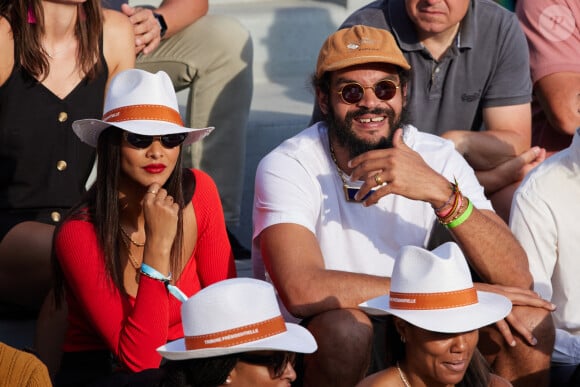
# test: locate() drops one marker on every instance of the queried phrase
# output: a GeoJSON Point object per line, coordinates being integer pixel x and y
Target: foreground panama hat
{"type": "Point", "coordinates": [139, 102]}
{"type": "Point", "coordinates": [434, 291]}
{"type": "Point", "coordinates": [233, 316]}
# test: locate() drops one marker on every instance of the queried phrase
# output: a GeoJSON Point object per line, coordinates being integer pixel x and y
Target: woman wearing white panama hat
{"type": "Point", "coordinates": [435, 313]}
{"type": "Point", "coordinates": [235, 336]}
{"type": "Point", "coordinates": [145, 226]}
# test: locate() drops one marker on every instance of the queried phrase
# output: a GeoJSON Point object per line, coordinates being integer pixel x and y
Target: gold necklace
{"type": "Point", "coordinates": [138, 244]}
{"type": "Point", "coordinates": [402, 375]}
{"type": "Point", "coordinates": [349, 196]}
{"type": "Point", "coordinates": [136, 265]}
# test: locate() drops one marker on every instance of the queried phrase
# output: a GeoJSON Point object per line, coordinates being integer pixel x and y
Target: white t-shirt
{"type": "Point", "coordinates": [544, 218]}
{"type": "Point", "coordinates": [298, 183]}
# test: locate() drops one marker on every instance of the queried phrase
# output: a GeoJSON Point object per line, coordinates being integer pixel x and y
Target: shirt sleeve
{"type": "Point", "coordinates": [510, 82]}
{"type": "Point", "coordinates": [284, 193]}
{"type": "Point", "coordinates": [553, 35]}
{"type": "Point", "coordinates": [131, 332]}
{"type": "Point", "coordinates": [532, 223]}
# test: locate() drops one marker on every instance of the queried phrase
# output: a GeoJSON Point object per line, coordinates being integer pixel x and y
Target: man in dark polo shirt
{"type": "Point", "coordinates": [470, 83]}
{"type": "Point", "coordinates": [211, 56]}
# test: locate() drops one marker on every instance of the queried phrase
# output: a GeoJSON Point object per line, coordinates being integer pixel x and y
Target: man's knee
{"type": "Point", "coordinates": [522, 363]}
{"type": "Point", "coordinates": [344, 338]}
{"type": "Point", "coordinates": [342, 327]}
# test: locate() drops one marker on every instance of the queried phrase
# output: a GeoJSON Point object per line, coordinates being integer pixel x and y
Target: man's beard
{"type": "Point", "coordinates": [342, 129]}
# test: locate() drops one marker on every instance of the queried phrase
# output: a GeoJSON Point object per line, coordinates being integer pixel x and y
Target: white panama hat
{"type": "Point", "coordinates": [434, 291]}
{"type": "Point", "coordinates": [139, 102]}
{"type": "Point", "coordinates": [233, 316]}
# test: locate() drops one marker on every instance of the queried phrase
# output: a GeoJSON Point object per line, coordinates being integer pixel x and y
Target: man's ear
{"type": "Point", "coordinates": [323, 101]}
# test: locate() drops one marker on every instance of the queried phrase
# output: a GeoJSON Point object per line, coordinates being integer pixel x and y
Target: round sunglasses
{"type": "Point", "coordinates": [142, 141]}
{"type": "Point", "coordinates": [276, 362]}
{"type": "Point", "coordinates": [353, 92]}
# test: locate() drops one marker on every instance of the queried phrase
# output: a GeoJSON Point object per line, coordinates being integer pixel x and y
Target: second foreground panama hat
{"type": "Point", "coordinates": [139, 102]}
{"type": "Point", "coordinates": [233, 316]}
{"type": "Point", "coordinates": [434, 291]}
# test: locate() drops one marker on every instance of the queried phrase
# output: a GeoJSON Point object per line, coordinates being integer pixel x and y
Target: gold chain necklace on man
{"type": "Point", "coordinates": [403, 377]}
{"type": "Point", "coordinates": [340, 174]}
{"type": "Point", "coordinates": [138, 244]}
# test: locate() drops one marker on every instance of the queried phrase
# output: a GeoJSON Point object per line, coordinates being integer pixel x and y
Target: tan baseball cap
{"type": "Point", "coordinates": [357, 45]}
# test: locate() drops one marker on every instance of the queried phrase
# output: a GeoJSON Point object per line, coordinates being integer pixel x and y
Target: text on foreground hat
{"type": "Point", "coordinates": [358, 45]}
{"type": "Point", "coordinates": [139, 102]}
{"type": "Point", "coordinates": [233, 316]}
{"type": "Point", "coordinates": [434, 291]}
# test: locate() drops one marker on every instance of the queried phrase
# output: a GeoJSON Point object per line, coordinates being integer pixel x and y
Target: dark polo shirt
{"type": "Point", "coordinates": [113, 4]}
{"type": "Point", "coordinates": [487, 66]}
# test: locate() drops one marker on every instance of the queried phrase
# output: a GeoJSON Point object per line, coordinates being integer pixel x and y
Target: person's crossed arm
{"type": "Point", "coordinates": [178, 14]}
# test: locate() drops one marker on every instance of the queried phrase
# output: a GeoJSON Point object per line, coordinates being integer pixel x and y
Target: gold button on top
{"type": "Point", "coordinates": [61, 165]}
{"type": "Point", "coordinates": [62, 117]}
{"type": "Point", "coordinates": [55, 216]}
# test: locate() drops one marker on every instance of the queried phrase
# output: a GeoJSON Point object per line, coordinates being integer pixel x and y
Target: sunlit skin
{"type": "Point", "coordinates": [251, 375]}
{"type": "Point", "coordinates": [432, 17]}
{"type": "Point", "coordinates": [144, 171]}
{"type": "Point", "coordinates": [435, 359]}
{"type": "Point", "coordinates": [143, 167]}
{"type": "Point", "coordinates": [369, 127]}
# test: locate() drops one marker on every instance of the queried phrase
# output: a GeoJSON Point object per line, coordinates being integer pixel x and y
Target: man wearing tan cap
{"type": "Point", "coordinates": [335, 203]}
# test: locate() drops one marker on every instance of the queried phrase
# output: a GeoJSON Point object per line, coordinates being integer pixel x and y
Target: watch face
{"type": "Point", "coordinates": [162, 24]}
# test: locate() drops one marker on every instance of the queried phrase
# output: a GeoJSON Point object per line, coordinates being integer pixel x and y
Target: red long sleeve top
{"type": "Point", "coordinates": [132, 328]}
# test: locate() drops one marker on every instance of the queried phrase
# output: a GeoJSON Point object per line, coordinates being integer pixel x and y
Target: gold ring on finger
{"type": "Point", "coordinates": [378, 179]}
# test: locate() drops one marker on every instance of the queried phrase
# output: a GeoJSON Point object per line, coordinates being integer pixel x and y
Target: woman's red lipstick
{"type": "Point", "coordinates": [155, 168]}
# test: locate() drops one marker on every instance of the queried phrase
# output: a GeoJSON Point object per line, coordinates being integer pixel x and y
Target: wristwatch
{"type": "Point", "coordinates": [162, 23]}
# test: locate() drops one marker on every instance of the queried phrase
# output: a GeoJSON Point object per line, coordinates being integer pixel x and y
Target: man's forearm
{"type": "Point", "coordinates": [493, 251]}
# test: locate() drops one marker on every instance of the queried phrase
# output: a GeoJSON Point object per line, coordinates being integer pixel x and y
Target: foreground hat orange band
{"type": "Point", "coordinates": [418, 301]}
{"type": "Point", "coordinates": [238, 335]}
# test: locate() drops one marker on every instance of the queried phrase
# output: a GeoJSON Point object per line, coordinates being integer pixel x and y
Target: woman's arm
{"type": "Point", "coordinates": [132, 332]}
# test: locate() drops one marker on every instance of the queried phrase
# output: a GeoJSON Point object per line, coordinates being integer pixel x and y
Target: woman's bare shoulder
{"type": "Point", "coordinates": [388, 377]}
{"type": "Point", "coordinates": [498, 381]}
{"type": "Point", "coordinates": [118, 41]}
{"type": "Point", "coordinates": [6, 50]}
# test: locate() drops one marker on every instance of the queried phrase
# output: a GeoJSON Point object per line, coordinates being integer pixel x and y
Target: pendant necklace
{"type": "Point", "coordinates": [136, 265]}
{"type": "Point", "coordinates": [403, 377]}
{"type": "Point", "coordinates": [138, 244]}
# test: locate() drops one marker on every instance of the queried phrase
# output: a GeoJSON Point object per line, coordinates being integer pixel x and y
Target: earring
{"type": "Point", "coordinates": [403, 340]}
{"type": "Point", "coordinates": [31, 17]}
{"type": "Point", "coordinates": [228, 380]}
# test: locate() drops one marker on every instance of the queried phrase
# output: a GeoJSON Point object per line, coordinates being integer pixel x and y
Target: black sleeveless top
{"type": "Point", "coordinates": [43, 164]}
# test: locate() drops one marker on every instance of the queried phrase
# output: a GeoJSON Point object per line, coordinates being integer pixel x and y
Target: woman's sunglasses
{"type": "Point", "coordinates": [142, 141]}
{"type": "Point", "coordinates": [353, 92]}
{"type": "Point", "coordinates": [276, 362]}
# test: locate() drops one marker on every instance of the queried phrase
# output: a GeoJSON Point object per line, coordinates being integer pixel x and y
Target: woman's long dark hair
{"type": "Point", "coordinates": [478, 371]}
{"type": "Point", "coordinates": [28, 50]}
{"type": "Point", "coordinates": [100, 206]}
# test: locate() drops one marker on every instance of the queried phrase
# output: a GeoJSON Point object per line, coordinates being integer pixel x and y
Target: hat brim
{"type": "Point", "coordinates": [490, 309]}
{"type": "Point", "coordinates": [295, 339]}
{"type": "Point", "coordinates": [88, 130]}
